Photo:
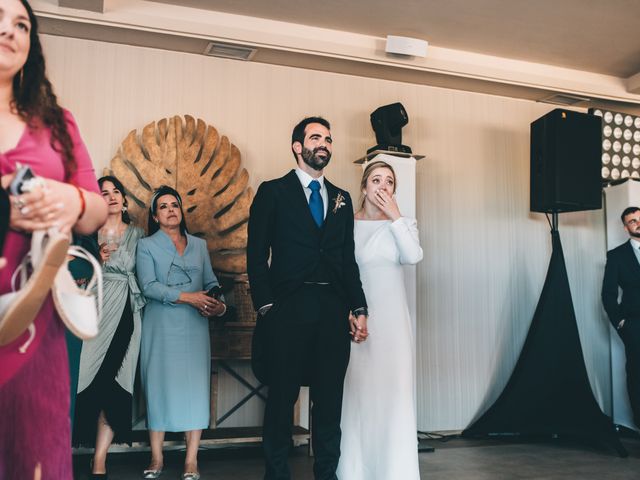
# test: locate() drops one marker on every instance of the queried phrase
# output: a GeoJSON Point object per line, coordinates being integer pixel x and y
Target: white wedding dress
{"type": "Point", "coordinates": [379, 428]}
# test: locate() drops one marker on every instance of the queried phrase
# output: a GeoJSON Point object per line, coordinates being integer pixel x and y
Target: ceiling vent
{"type": "Point", "coordinates": [229, 50]}
{"type": "Point", "coordinates": [564, 99]}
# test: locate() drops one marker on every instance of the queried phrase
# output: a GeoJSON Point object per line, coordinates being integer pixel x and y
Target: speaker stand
{"type": "Point", "coordinates": [549, 394]}
{"type": "Point", "coordinates": [425, 449]}
{"type": "Point", "coordinates": [423, 437]}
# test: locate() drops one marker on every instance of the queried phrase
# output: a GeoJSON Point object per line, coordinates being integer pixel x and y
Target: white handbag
{"type": "Point", "coordinates": [18, 309]}
{"type": "Point", "coordinates": [80, 309]}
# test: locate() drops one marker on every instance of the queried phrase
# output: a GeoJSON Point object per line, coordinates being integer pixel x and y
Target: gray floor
{"type": "Point", "coordinates": [454, 460]}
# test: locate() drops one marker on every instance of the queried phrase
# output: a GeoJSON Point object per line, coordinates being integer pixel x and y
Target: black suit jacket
{"type": "Point", "coordinates": [622, 270]}
{"type": "Point", "coordinates": [281, 225]}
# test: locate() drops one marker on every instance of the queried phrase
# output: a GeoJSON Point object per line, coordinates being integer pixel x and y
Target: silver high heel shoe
{"type": "Point", "coordinates": [152, 473]}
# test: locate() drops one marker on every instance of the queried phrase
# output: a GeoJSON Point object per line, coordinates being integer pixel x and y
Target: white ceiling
{"type": "Point", "coordinates": [584, 53]}
{"type": "Point", "coordinates": [599, 36]}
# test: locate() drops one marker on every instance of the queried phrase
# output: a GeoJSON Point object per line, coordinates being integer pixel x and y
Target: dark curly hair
{"type": "Point", "coordinates": [35, 102]}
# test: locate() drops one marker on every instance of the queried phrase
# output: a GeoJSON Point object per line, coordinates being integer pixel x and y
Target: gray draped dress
{"type": "Point", "coordinates": [108, 361]}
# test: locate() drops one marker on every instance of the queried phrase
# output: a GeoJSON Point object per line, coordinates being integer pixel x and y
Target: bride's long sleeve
{"type": "Point", "coordinates": [405, 233]}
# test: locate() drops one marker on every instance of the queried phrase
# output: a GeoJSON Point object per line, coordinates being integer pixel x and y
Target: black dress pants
{"type": "Point", "coordinates": [308, 343]}
{"type": "Point", "coordinates": [630, 334]}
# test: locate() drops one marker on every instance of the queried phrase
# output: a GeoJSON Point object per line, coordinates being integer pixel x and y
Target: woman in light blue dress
{"type": "Point", "coordinates": [174, 272]}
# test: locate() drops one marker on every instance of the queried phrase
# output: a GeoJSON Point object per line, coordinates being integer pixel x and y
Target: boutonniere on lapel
{"type": "Point", "coordinates": [338, 202]}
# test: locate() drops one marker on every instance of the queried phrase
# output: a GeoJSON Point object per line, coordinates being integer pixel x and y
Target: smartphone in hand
{"type": "Point", "coordinates": [215, 292]}
{"type": "Point", "coordinates": [20, 183]}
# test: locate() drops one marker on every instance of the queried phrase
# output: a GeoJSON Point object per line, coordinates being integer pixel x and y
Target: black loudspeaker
{"type": "Point", "coordinates": [565, 162]}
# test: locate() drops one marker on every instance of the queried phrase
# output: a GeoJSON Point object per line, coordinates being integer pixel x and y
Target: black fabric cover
{"type": "Point", "coordinates": [549, 391]}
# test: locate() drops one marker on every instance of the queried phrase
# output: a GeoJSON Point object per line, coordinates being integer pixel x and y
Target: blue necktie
{"type": "Point", "coordinates": [315, 203]}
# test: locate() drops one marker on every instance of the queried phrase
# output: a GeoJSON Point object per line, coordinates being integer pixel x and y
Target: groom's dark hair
{"type": "Point", "coordinates": [628, 211]}
{"type": "Point", "coordinates": [298, 131]}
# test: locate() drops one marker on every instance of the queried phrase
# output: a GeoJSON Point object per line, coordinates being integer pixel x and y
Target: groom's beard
{"type": "Point", "coordinates": [635, 234]}
{"type": "Point", "coordinates": [316, 162]}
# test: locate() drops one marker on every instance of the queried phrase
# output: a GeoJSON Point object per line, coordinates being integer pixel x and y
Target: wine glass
{"type": "Point", "coordinates": [110, 239]}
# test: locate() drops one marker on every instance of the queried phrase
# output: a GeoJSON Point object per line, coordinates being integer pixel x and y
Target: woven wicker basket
{"type": "Point", "coordinates": [232, 339]}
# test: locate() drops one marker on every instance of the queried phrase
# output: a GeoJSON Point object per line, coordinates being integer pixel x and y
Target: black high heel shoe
{"type": "Point", "coordinates": [96, 476]}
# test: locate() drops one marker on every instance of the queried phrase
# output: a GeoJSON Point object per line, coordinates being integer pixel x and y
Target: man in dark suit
{"type": "Point", "coordinates": [623, 270]}
{"type": "Point", "coordinates": [304, 296]}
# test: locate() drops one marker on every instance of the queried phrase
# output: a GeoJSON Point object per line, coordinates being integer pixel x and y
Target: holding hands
{"type": "Point", "coordinates": [358, 328]}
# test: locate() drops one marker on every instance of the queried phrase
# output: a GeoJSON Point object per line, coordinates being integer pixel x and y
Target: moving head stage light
{"type": "Point", "coordinates": [387, 122]}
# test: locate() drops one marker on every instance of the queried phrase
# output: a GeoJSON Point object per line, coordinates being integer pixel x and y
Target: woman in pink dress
{"type": "Point", "coordinates": [35, 131]}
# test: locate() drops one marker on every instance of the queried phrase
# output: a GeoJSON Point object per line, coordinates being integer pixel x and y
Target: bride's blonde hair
{"type": "Point", "coordinates": [368, 170]}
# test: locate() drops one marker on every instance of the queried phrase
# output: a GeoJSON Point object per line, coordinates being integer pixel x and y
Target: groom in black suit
{"type": "Point", "coordinates": [623, 270]}
{"type": "Point", "coordinates": [304, 296]}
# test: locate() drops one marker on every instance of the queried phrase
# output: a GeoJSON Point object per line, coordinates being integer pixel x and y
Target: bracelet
{"type": "Point", "coordinates": [83, 203]}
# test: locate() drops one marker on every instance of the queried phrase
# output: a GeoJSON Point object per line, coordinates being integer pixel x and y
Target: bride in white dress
{"type": "Point", "coordinates": [379, 428]}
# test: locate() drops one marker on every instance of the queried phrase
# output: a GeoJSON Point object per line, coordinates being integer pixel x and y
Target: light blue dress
{"type": "Point", "coordinates": [175, 355]}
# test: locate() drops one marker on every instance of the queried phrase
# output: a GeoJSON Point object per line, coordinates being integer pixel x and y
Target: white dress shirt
{"type": "Point", "coordinates": [636, 248]}
{"type": "Point", "coordinates": [305, 180]}
{"type": "Point", "coordinates": [635, 245]}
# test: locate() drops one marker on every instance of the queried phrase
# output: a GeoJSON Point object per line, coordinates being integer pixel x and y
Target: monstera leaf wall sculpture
{"type": "Point", "coordinates": [205, 168]}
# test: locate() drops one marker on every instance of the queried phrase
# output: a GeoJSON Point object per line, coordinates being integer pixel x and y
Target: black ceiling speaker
{"type": "Point", "coordinates": [387, 122]}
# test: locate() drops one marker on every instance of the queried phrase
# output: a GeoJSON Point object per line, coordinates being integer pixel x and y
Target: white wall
{"type": "Point", "coordinates": [485, 254]}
